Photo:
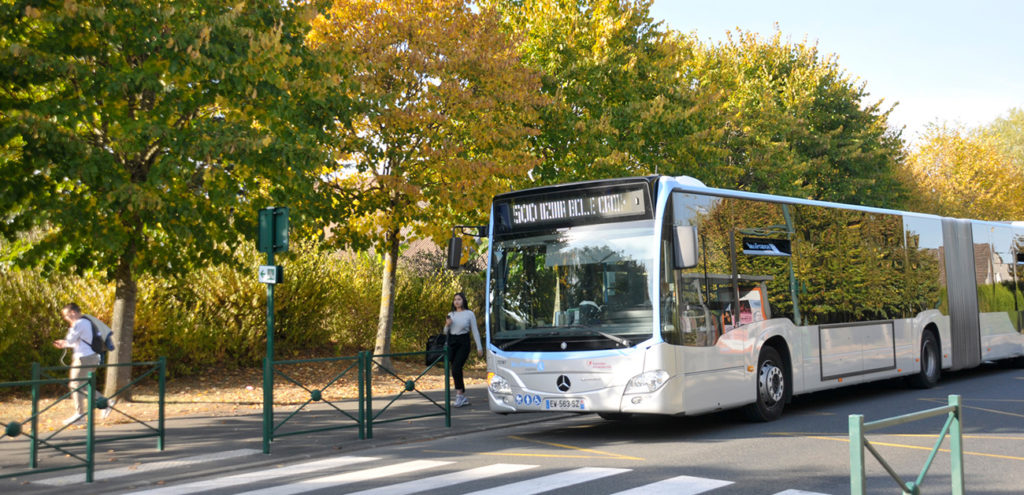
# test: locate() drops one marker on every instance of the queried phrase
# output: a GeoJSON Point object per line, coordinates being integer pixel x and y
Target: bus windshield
{"type": "Point", "coordinates": [578, 288]}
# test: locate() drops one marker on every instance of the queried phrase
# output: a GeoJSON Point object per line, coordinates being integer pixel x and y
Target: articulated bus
{"type": "Point", "coordinates": [659, 295]}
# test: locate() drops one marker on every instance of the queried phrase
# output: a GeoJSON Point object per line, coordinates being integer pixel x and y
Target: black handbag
{"type": "Point", "coordinates": [435, 347]}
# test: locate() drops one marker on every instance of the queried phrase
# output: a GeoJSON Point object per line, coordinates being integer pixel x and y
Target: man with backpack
{"type": "Point", "coordinates": [85, 359]}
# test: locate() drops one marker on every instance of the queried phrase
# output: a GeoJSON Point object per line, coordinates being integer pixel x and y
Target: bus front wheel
{"type": "Point", "coordinates": [772, 387]}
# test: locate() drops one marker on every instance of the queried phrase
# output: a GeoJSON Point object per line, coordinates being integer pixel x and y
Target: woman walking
{"type": "Point", "coordinates": [458, 325]}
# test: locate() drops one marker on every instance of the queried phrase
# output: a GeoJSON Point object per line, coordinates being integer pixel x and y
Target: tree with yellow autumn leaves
{"type": "Point", "coordinates": [444, 112]}
{"type": "Point", "coordinates": [967, 173]}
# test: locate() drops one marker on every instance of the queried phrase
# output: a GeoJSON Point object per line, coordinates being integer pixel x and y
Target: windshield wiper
{"type": "Point", "coordinates": [614, 338]}
{"type": "Point", "coordinates": [505, 345]}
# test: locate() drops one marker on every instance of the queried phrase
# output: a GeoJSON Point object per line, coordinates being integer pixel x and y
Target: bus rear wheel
{"type": "Point", "coordinates": [931, 363]}
{"type": "Point", "coordinates": [772, 387]}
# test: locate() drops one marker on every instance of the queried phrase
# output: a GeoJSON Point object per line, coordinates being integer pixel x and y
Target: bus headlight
{"type": "Point", "coordinates": [498, 385]}
{"type": "Point", "coordinates": [647, 382]}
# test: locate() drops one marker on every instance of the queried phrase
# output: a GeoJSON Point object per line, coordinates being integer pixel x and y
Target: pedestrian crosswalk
{"type": "Point", "coordinates": [74, 479]}
{"type": "Point", "coordinates": [258, 476]}
{"type": "Point", "coordinates": [446, 480]}
{"type": "Point", "coordinates": [376, 476]}
{"type": "Point", "coordinates": [552, 481]}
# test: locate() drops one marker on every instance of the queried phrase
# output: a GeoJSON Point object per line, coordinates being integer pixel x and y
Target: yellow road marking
{"type": "Point", "coordinates": [993, 411]}
{"type": "Point", "coordinates": [1014, 401]}
{"type": "Point", "coordinates": [908, 435]}
{"type": "Point", "coordinates": [563, 446]}
{"type": "Point", "coordinates": [917, 447]}
{"type": "Point", "coordinates": [970, 437]}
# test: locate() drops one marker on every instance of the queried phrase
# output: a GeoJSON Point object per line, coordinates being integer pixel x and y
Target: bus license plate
{"type": "Point", "coordinates": [564, 404]}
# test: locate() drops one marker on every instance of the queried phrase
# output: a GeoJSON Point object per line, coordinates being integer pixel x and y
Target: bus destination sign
{"type": "Point", "coordinates": [577, 207]}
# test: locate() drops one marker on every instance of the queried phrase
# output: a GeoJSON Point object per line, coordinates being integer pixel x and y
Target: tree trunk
{"type": "Point", "coordinates": [123, 324]}
{"type": "Point", "coordinates": [387, 299]}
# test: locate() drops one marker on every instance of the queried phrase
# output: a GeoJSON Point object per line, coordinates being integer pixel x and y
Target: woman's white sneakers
{"type": "Point", "coordinates": [110, 408]}
{"type": "Point", "coordinates": [74, 418]}
{"type": "Point", "coordinates": [461, 400]}
{"type": "Point", "coordinates": [105, 413]}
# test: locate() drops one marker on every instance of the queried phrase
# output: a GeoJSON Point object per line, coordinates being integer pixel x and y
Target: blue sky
{"type": "Point", "coordinates": [941, 61]}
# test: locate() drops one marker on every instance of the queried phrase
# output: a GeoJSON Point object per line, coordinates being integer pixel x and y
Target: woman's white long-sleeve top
{"type": "Point", "coordinates": [462, 322]}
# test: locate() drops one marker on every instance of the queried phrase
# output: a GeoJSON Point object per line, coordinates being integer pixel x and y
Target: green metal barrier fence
{"type": "Point", "coordinates": [363, 417]}
{"type": "Point", "coordinates": [158, 370]}
{"type": "Point", "coordinates": [408, 386]}
{"type": "Point", "coordinates": [14, 429]}
{"type": "Point", "coordinates": [270, 431]}
{"type": "Point", "coordinates": [858, 442]}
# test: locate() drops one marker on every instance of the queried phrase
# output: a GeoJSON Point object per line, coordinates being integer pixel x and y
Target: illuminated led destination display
{"type": "Point", "coordinates": [576, 207]}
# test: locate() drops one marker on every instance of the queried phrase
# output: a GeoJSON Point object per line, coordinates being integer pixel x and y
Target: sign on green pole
{"type": "Point", "coordinates": [273, 230]}
{"type": "Point", "coordinates": [273, 238]}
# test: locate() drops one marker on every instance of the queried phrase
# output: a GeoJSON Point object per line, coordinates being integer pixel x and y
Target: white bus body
{"type": "Point", "coordinates": [658, 295]}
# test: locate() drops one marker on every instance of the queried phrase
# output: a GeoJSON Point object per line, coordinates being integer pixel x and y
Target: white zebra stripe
{"type": "Point", "coordinates": [680, 485]}
{"type": "Point", "coordinates": [147, 467]}
{"type": "Point", "coordinates": [446, 480]}
{"type": "Point", "coordinates": [336, 480]}
{"type": "Point", "coordinates": [254, 477]}
{"type": "Point", "coordinates": [552, 481]}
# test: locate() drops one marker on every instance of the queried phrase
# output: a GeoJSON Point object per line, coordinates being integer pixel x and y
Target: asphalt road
{"type": "Point", "coordinates": [805, 452]}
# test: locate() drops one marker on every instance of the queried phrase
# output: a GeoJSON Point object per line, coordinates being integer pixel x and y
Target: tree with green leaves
{"type": "Point", "coordinates": [445, 111]}
{"type": "Point", "coordinates": [779, 117]}
{"type": "Point", "coordinates": [142, 137]}
{"type": "Point", "coordinates": [611, 75]}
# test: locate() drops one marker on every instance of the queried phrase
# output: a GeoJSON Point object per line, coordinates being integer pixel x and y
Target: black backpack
{"type": "Point", "coordinates": [100, 343]}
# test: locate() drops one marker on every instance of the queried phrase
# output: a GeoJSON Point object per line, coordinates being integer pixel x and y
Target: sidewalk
{"type": "Point", "coordinates": [246, 431]}
{"type": "Point", "coordinates": [191, 436]}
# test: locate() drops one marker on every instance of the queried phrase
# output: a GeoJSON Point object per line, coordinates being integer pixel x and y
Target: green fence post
{"type": "Point", "coordinates": [90, 430]}
{"type": "Point", "coordinates": [956, 449]}
{"type": "Point", "coordinates": [857, 473]}
{"type": "Point", "coordinates": [361, 363]}
{"type": "Point", "coordinates": [162, 389]}
{"type": "Point", "coordinates": [369, 394]}
{"type": "Point", "coordinates": [33, 461]}
{"type": "Point", "coordinates": [447, 390]}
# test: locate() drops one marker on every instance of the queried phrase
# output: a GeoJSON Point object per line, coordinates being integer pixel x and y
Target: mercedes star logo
{"type": "Point", "coordinates": [563, 383]}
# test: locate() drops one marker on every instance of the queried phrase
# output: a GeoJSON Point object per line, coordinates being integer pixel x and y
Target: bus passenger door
{"type": "Point", "coordinates": [716, 378]}
{"type": "Point", "coordinates": [713, 350]}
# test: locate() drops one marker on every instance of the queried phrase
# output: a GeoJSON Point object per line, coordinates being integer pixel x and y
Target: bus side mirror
{"type": "Point", "coordinates": [684, 240]}
{"type": "Point", "coordinates": [454, 253]}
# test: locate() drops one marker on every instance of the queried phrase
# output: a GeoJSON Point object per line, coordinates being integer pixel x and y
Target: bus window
{"type": "Point", "coordinates": [727, 288]}
{"type": "Point", "coordinates": [696, 324]}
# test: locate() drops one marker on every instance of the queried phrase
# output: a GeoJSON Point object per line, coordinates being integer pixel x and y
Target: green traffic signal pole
{"type": "Point", "coordinates": [268, 367]}
{"type": "Point", "coordinates": [273, 237]}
